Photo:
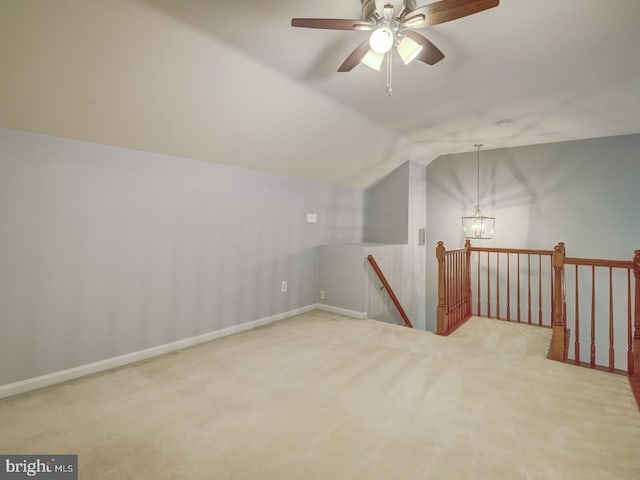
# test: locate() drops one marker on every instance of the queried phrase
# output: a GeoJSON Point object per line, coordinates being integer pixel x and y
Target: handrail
{"type": "Point", "coordinates": [454, 250]}
{"type": "Point", "coordinates": [387, 287]}
{"type": "Point", "coordinates": [522, 251]}
{"type": "Point", "coordinates": [596, 262]}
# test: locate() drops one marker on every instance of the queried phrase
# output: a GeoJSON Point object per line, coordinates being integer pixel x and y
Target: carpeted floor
{"type": "Point", "coordinates": [321, 396]}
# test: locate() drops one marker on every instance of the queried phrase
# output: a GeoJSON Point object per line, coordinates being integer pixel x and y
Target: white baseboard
{"type": "Point", "coordinates": [341, 311]}
{"type": "Point", "coordinates": [83, 370]}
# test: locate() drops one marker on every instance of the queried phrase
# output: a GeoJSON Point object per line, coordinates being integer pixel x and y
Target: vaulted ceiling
{"type": "Point", "coordinates": [233, 82]}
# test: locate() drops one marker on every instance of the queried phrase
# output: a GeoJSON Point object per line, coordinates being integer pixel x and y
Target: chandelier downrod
{"type": "Point", "coordinates": [478, 146]}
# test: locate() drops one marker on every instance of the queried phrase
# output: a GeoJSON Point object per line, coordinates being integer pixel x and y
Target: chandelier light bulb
{"type": "Point", "coordinates": [381, 40]}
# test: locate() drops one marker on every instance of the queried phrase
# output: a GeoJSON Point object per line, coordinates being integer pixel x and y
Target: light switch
{"type": "Point", "coordinates": [422, 236]}
{"type": "Point", "coordinates": [312, 218]}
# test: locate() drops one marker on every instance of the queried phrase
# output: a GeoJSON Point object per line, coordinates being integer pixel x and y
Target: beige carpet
{"type": "Point", "coordinates": [321, 396]}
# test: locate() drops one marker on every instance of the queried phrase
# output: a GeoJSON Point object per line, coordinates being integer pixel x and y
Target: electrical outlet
{"type": "Point", "coordinates": [322, 297]}
{"type": "Point", "coordinates": [284, 285]}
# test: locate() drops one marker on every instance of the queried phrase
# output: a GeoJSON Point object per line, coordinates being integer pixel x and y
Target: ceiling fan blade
{"type": "Point", "coordinates": [354, 59]}
{"type": "Point", "coordinates": [447, 10]}
{"type": "Point", "coordinates": [331, 24]}
{"type": "Point", "coordinates": [430, 54]}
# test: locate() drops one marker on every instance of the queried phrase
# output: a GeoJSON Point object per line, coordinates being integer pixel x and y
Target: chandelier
{"type": "Point", "coordinates": [478, 225]}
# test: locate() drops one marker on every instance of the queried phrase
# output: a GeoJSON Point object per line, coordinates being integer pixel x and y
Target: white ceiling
{"type": "Point", "coordinates": [560, 69]}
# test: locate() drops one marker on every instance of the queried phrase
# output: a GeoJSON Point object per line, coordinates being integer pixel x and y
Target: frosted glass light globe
{"type": "Point", "coordinates": [381, 40]}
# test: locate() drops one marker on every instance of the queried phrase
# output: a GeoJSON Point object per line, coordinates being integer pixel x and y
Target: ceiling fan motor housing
{"type": "Point", "coordinates": [372, 7]}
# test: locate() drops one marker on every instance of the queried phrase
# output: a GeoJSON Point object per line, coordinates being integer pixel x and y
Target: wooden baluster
{"type": "Point", "coordinates": [478, 285]}
{"type": "Point", "coordinates": [459, 282]}
{"type": "Point", "coordinates": [457, 287]}
{"type": "Point", "coordinates": [508, 288]}
{"type": "Point", "coordinates": [450, 285]}
{"type": "Point", "coordinates": [454, 288]}
{"type": "Point", "coordinates": [636, 335]}
{"type": "Point", "coordinates": [498, 285]}
{"type": "Point", "coordinates": [448, 289]}
{"type": "Point", "coordinates": [592, 360]}
{"type": "Point", "coordinates": [611, 339]}
{"type": "Point", "coordinates": [454, 284]}
{"type": "Point", "coordinates": [518, 288]}
{"type": "Point", "coordinates": [441, 327]}
{"type": "Point", "coordinates": [467, 283]}
{"type": "Point", "coordinates": [564, 292]}
{"type": "Point", "coordinates": [460, 285]}
{"type": "Point", "coordinates": [551, 294]}
{"type": "Point", "coordinates": [453, 317]}
{"type": "Point", "coordinates": [577, 324]}
{"type": "Point", "coordinates": [452, 293]}
{"type": "Point", "coordinates": [454, 281]}
{"type": "Point", "coordinates": [467, 247]}
{"type": "Point", "coordinates": [488, 284]}
{"type": "Point", "coordinates": [558, 337]}
{"type": "Point", "coordinates": [529, 288]}
{"type": "Point", "coordinates": [629, 326]}
{"type": "Point", "coordinates": [540, 290]}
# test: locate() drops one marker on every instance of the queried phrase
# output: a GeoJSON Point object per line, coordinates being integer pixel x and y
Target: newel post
{"type": "Point", "coordinates": [558, 338]}
{"type": "Point", "coordinates": [441, 328]}
{"type": "Point", "coordinates": [636, 335]}
{"type": "Point", "coordinates": [564, 286]}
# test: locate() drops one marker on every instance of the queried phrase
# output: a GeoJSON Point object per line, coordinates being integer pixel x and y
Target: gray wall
{"type": "Point", "coordinates": [584, 193]}
{"type": "Point", "coordinates": [387, 208]}
{"type": "Point", "coordinates": [106, 251]}
{"type": "Point", "coordinates": [395, 211]}
{"type": "Point", "coordinates": [349, 281]}
{"type": "Point", "coordinates": [340, 274]}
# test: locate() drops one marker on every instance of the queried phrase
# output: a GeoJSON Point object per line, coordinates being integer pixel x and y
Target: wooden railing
{"type": "Point", "coordinates": [636, 336]}
{"type": "Point", "coordinates": [454, 287]}
{"type": "Point", "coordinates": [497, 278]}
{"type": "Point", "coordinates": [532, 286]}
{"type": "Point", "coordinates": [387, 287]}
{"type": "Point", "coordinates": [517, 283]}
{"type": "Point", "coordinates": [615, 319]}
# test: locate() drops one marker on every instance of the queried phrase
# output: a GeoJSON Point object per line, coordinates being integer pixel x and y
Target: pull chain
{"type": "Point", "coordinates": [389, 74]}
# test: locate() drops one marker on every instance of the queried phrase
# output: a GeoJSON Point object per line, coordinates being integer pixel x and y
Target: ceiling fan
{"type": "Point", "coordinates": [392, 24]}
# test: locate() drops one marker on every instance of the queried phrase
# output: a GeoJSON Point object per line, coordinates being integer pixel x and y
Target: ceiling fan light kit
{"type": "Point", "coordinates": [408, 49]}
{"type": "Point", "coordinates": [391, 25]}
{"type": "Point", "coordinates": [373, 60]}
{"type": "Point", "coordinates": [381, 39]}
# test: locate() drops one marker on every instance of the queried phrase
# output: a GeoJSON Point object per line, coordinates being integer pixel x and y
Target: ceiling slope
{"type": "Point", "coordinates": [235, 83]}
{"type": "Point", "coordinates": [122, 73]}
